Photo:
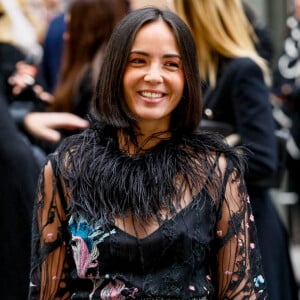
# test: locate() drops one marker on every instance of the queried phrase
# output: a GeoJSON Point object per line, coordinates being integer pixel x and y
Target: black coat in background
{"type": "Point", "coordinates": [18, 180]}
{"type": "Point", "coordinates": [242, 99]}
{"type": "Point", "coordinates": [286, 86]}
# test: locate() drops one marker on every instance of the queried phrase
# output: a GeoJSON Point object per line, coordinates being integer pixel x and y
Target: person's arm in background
{"type": "Point", "coordinates": [255, 122]}
{"type": "Point", "coordinates": [32, 118]}
{"type": "Point", "coordinates": [46, 125]}
{"type": "Point", "coordinates": [28, 103]}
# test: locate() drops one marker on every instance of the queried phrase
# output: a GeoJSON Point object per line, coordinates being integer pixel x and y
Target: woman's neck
{"type": "Point", "coordinates": [139, 142]}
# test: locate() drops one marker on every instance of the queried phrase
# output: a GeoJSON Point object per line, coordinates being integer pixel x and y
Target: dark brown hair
{"type": "Point", "coordinates": [89, 29]}
{"type": "Point", "coordinates": [109, 105]}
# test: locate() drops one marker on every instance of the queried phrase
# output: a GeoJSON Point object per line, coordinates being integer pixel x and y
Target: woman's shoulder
{"type": "Point", "coordinates": [242, 64]}
{"type": "Point", "coordinates": [212, 147]}
{"type": "Point", "coordinates": [206, 141]}
{"type": "Point", "coordinates": [74, 146]}
{"type": "Point", "coordinates": [238, 70]}
{"type": "Point", "coordinates": [86, 137]}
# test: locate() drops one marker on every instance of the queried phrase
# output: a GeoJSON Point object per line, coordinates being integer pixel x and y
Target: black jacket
{"type": "Point", "coordinates": [241, 99]}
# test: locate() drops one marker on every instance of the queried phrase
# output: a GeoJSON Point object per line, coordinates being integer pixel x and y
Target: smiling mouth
{"type": "Point", "coordinates": [151, 95]}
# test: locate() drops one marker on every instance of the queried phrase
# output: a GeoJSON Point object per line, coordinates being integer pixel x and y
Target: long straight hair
{"type": "Point", "coordinates": [109, 104]}
{"type": "Point", "coordinates": [220, 29]}
{"type": "Point", "coordinates": [86, 44]}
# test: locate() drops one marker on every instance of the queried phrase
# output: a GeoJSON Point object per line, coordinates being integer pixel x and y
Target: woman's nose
{"type": "Point", "coordinates": [154, 75]}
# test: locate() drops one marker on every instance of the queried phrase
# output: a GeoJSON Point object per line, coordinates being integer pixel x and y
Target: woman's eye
{"type": "Point", "coordinates": [137, 61]}
{"type": "Point", "coordinates": [172, 65]}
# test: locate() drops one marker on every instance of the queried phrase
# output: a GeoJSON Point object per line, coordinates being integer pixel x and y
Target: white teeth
{"type": "Point", "coordinates": [151, 95]}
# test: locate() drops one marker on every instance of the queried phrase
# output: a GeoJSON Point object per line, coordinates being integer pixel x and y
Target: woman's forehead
{"type": "Point", "coordinates": [158, 32]}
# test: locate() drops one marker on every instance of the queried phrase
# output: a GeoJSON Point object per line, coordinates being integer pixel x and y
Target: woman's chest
{"type": "Point", "coordinates": [109, 249]}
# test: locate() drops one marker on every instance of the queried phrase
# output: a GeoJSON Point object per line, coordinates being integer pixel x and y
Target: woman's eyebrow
{"type": "Point", "coordinates": [139, 52]}
{"type": "Point", "coordinates": [171, 55]}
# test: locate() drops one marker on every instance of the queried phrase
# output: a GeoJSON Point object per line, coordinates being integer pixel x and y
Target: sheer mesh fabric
{"type": "Point", "coordinates": [206, 248]}
{"type": "Point", "coordinates": [50, 261]}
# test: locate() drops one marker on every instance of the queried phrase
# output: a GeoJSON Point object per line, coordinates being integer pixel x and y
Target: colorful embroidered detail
{"type": "Point", "coordinates": [192, 288]}
{"type": "Point", "coordinates": [219, 233]}
{"type": "Point", "coordinates": [259, 280]}
{"type": "Point", "coordinates": [85, 237]}
{"type": "Point", "coordinates": [50, 236]}
{"type": "Point", "coordinates": [248, 198]}
{"type": "Point", "coordinates": [130, 293]}
{"type": "Point", "coordinates": [112, 291]}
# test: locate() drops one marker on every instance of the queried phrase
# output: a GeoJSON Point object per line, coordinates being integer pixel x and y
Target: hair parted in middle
{"type": "Point", "coordinates": [109, 103]}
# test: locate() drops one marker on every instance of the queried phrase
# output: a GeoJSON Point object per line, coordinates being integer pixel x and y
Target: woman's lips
{"type": "Point", "coordinates": [152, 97]}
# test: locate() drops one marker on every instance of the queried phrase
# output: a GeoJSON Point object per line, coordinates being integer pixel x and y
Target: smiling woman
{"type": "Point", "coordinates": [153, 79]}
{"type": "Point", "coordinates": [141, 205]}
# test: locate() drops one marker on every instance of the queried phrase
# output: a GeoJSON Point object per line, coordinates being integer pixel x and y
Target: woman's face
{"type": "Point", "coordinates": [153, 81]}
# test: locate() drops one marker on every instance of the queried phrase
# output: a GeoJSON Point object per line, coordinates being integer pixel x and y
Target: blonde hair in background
{"type": "Point", "coordinates": [220, 29]}
{"type": "Point", "coordinates": [15, 27]}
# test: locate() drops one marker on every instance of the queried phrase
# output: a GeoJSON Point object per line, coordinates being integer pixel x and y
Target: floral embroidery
{"type": "Point", "coordinates": [112, 291]}
{"type": "Point", "coordinates": [85, 237]}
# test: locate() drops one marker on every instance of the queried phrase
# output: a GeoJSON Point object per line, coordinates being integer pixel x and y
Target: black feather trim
{"type": "Point", "coordinates": [106, 182]}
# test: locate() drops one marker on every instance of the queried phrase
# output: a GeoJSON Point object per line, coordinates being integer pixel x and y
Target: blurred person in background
{"type": "Point", "coordinates": [84, 44]}
{"type": "Point", "coordinates": [286, 86]}
{"type": "Point", "coordinates": [236, 93]}
{"type": "Point", "coordinates": [19, 166]}
{"type": "Point", "coordinates": [41, 13]}
{"type": "Point", "coordinates": [52, 52]}
{"type": "Point", "coordinates": [16, 26]}
{"type": "Point", "coordinates": [262, 39]}
{"type": "Point", "coordinates": [22, 26]}
{"type": "Point", "coordinates": [85, 41]}
{"type": "Point", "coordinates": [20, 55]}
{"type": "Point", "coordinates": [18, 178]}
{"type": "Point", "coordinates": [18, 40]}
{"type": "Point", "coordinates": [53, 44]}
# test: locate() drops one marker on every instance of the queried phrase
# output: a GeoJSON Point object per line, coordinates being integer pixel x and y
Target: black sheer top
{"type": "Point", "coordinates": [191, 233]}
